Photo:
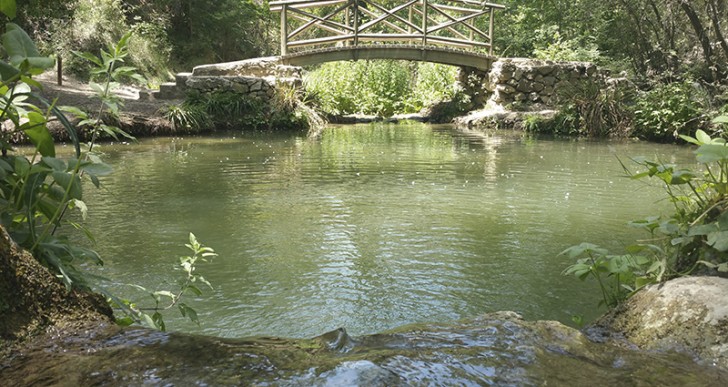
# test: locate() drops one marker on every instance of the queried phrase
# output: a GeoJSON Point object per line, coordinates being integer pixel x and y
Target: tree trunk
{"type": "Point", "coordinates": [716, 25]}
{"type": "Point", "coordinates": [699, 30]}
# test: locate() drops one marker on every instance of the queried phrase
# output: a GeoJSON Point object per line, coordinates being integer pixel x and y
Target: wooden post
{"type": "Point", "coordinates": [356, 23]}
{"type": "Point", "coordinates": [410, 9]}
{"type": "Point", "coordinates": [59, 69]}
{"type": "Point", "coordinates": [347, 22]}
{"type": "Point", "coordinates": [490, 28]}
{"type": "Point", "coordinates": [284, 30]}
{"type": "Point", "coordinates": [424, 22]}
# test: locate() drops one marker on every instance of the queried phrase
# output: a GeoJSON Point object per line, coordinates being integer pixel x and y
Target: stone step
{"type": "Point", "coordinates": [181, 79]}
{"type": "Point", "coordinates": [169, 90]}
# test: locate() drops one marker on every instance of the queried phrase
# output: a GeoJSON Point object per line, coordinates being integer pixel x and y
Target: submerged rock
{"type": "Point", "coordinates": [685, 314]}
{"type": "Point", "coordinates": [494, 349]}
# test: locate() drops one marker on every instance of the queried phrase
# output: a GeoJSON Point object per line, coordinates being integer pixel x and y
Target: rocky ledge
{"type": "Point", "coordinates": [688, 314]}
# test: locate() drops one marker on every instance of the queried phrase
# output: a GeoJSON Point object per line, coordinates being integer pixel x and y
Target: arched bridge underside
{"type": "Point", "coordinates": [436, 54]}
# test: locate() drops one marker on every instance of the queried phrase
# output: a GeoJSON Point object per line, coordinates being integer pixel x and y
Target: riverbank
{"type": "Point", "coordinates": [141, 115]}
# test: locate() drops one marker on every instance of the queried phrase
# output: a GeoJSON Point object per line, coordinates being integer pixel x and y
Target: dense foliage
{"type": "Point", "coordinates": [167, 35]}
{"type": "Point", "coordinates": [648, 37]}
{"type": "Point", "coordinates": [380, 88]}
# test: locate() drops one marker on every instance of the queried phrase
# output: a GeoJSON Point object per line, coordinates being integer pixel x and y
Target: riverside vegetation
{"type": "Point", "coordinates": [693, 239]}
{"type": "Point", "coordinates": [38, 192]}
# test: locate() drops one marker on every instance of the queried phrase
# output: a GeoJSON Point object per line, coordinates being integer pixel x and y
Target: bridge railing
{"type": "Point", "coordinates": [311, 24]}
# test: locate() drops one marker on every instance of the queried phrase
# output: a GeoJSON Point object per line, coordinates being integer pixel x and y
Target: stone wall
{"type": "Point", "coordinates": [260, 88]}
{"type": "Point", "coordinates": [258, 78]}
{"type": "Point", "coordinates": [534, 82]}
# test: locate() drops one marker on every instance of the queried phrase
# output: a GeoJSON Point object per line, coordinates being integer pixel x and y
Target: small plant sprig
{"type": "Point", "coordinates": [109, 68]}
{"type": "Point", "coordinates": [619, 276]}
{"type": "Point", "coordinates": [166, 299]}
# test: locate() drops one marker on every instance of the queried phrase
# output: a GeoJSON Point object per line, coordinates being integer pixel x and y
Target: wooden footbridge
{"type": "Point", "coordinates": [453, 32]}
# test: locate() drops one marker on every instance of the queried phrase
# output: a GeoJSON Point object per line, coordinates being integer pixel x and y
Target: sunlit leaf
{"type": "Point", "coordinates": [720, 120]}
{"type": "Point", "coordinates": [702, 137]}
{"type": "Point", "coordinates": [9, 8]}
{"type": "Point", "coordinates": [81, 206]}
{"type": "Point", "coordinates": [38, 133]}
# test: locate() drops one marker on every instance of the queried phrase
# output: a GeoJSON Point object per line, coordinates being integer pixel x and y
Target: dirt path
{"type": "Point", "coordinates": [139, 116]}
{"type": "Point", "coordinates": [79, 94]}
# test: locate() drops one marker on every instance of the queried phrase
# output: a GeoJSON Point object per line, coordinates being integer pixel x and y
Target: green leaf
{"type": "Point", "coordinates": [70, 183]}
{"type": "Point", "coordinates": [97, 169]}
{"type": "Point", "coordinates": [703, 229]}
{"type": "Point", "coordinates": [9, 8]}
{"type": "Point", "coordinates": [710, 153]}
{"type": "Point", "coordinates": [8, 72]}
{"type": "Point", "coordinates": [55, 164]}
{"type": "Point", "coordinates": [149, 321]}
{"type": "Point", "coordinates": [125, 321]}
{"type": "Point", "coordinates": [89, 57]}
{"type": "Point", "coordinates": [22, 51]}
{"type": "Point", "coordinates": [38, 133]}
{"type": "Point", "coordinates": [5, 166]}
{"type": "Point", "coordinates": [720, 120]}
{"type": "Point", "coordinates": [719, 240]}
{"type": "Point", "coordinates": [194, 289]}
{"type": "Point", "coordinates": [691, 140]}
{"type": "Point", "coordinates": [186, 311]}
{"type": "Point", "coordinates": [584, 248]}
{"type": "Point", "coordinates": [703, 137]}
{"type": "Point", "coordinates": [159, 321]}
{"type": "Point", "coordinates": [70, 129]}
{"type": "Point", "coordinates": [76, 112]}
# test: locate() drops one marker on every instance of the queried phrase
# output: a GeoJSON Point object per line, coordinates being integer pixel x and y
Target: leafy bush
{"type": "Point", "coordinates": [433, 83]}
{"type": "Point", "coordinates": [381, 88]}
{"type": "Point", "coordinates": [554, 47]}
{"type": "Point", "coordinates": [231, 110]}
{"type": "Point", "coordinates": [667, 111]}
{"type": "Point", "coordinates": [187, 117]}
{"type": "Point", "coordinates": [595, 109]}
{"type": "Point", "coordinates": [695, 235]}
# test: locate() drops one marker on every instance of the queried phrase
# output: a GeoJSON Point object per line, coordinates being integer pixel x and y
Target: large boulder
{"type": "Point", "coordinates": [684, 314]}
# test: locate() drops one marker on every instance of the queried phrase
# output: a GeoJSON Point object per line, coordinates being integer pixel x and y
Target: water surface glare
{"type": "Point", "coordinates": [370, 227]}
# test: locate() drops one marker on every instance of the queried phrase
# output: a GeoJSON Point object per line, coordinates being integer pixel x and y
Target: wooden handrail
{"type": "Point", "coordinates": [353, 21]}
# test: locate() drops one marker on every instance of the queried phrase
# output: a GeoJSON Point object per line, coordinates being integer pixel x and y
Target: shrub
{"type": "Point", "coordinates": [554, 47]}
{"type": "Point", "coordinates": [595, 109]}
{"type": "Point", "coordinates": [229, 110]}
{"type": "Point", "coordinates": [694, 236]}
{"type": "Point", "coordinates": [667, 111]}
{"type": "Point", "coordinates": [381, 87]}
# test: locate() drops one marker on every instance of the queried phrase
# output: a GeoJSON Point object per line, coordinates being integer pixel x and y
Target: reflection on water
{"type": "Point", "coordinates": [370, 227]}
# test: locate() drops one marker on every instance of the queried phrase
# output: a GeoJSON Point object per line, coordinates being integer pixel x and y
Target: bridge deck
{"type": "Point", "coordinates": [436, 54]}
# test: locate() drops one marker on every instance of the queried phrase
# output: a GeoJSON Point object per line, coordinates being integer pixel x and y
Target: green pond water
{"type": "Point", "coordinates": [369, 227]}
